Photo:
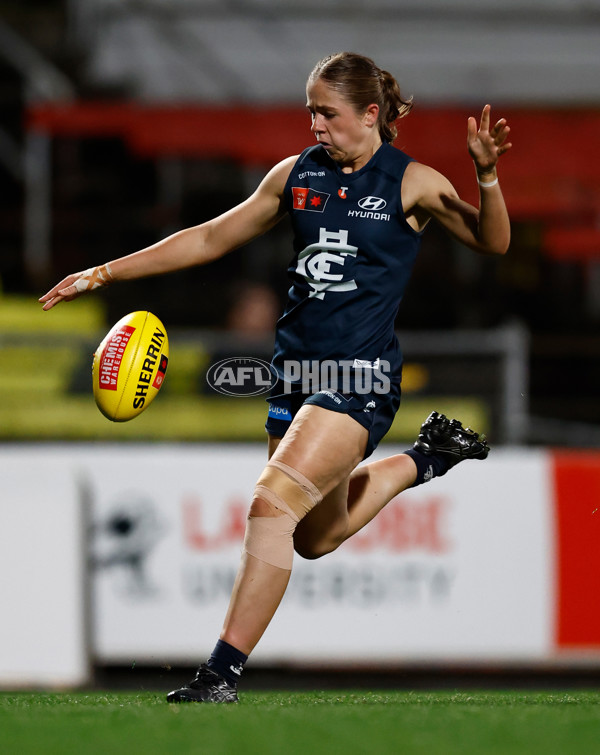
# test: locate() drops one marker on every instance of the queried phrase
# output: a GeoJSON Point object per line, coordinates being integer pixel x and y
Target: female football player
{"type": "Point", "coordinates": [358, 207]}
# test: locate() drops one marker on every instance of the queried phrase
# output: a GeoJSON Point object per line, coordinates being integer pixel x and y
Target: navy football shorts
{"type": "Point", "coordinates": [373, 411]}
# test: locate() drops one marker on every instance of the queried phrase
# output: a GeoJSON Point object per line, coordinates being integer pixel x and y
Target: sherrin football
{"type": "Point", "coordinates": [129, 366]}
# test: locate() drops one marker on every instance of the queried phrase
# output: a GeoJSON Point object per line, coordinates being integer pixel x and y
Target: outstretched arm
{"type": "Point", "coordinates": [192, 246]}
{"type": "Point", "coordinates": [486, 229]}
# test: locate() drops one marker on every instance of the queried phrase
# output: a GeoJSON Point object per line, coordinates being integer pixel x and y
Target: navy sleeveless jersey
{"type": "Point", "coordinates": [353, 255]}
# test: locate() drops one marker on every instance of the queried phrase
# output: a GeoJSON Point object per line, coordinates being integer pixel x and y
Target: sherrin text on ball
{"type": "Point", "coordinates": [130, 365]}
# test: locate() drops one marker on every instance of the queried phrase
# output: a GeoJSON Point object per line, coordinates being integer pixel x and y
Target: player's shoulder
{"type": "Point", "coordinates": [285, 166]}
{"type": "Point", "coordinates": [277, 177]}
{"type": "Point", "coordinates": [423, 186]}
{"type": "Point", "coordinates": [424, 175]}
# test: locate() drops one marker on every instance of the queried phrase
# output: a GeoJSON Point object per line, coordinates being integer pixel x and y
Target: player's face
{"type": "Point", "coordinates": [348, 137]}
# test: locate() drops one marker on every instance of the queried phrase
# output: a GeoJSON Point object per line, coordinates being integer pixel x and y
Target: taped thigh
{"type": "Point", "coordinates": [271, 538]}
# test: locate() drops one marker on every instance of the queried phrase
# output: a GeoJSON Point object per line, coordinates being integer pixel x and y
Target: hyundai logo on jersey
{"type": "Point", "coordinates": [372, 203]}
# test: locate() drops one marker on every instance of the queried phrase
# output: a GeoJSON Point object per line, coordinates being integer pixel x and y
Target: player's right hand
{"type": "Point", "coordinates": [76, 284]}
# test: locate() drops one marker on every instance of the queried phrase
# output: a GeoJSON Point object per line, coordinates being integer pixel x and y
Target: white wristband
{"type": "Point", "coordinates": [487, 184]}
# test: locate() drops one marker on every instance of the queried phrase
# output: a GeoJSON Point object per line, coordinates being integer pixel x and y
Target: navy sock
{"type": "Point", "coordinates": [428, 467]}
{"type": "Point", "coordinates": [227, 661]}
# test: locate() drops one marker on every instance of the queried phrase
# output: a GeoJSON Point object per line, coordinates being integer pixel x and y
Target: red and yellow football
{"type": "Point", "coordinates": [129, 366]}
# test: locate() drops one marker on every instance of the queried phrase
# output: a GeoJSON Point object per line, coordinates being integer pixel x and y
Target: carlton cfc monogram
{"type": "Point", "coordinates": [316, 260]}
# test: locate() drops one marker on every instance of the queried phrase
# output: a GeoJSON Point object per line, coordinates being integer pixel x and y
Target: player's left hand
{"type": "Point", "coordinates": [486, 144]}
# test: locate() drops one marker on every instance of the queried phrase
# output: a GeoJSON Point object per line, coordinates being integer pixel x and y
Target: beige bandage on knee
{"type": "Point", "coordinates": [271, 538]}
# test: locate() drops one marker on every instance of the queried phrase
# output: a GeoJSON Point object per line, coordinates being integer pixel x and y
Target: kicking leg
{"type": "Point", "coordinates": [352, 505]}
{"type": "Point", "coordinates": [441, 444]}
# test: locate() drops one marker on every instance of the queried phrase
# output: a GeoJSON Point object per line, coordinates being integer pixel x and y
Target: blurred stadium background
{"type": "Point", "coordinates": [124, 120]}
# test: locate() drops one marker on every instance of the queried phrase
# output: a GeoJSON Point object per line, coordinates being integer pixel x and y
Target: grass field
{"type": "Point", "coordinates": [431, 723]}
